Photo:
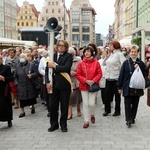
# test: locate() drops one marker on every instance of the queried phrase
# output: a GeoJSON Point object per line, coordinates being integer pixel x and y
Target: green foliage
{"type": "Point", "coordinates": [136, 41]}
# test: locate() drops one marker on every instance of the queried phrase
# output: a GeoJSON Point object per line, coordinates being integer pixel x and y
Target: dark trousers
{"type": "Point", "coordinates": [59, 96]}
{"type": "Point", "coordinates": [131, 106]}
{"type": "Point", "coordinates": [110, 91]}
{"type": "Point", "coordinates": [103, 95]}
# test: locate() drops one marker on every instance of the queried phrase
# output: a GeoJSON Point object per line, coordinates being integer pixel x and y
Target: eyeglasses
{"type": "Point", "coordinates": [62, 45]}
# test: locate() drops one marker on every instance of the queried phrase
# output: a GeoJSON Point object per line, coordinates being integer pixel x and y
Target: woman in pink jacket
{"type": "Point", "coordinates": [88, 73]}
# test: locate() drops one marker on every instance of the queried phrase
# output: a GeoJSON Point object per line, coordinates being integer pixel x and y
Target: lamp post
{"type": "Point", "coordinates": [4, 19]}
{"type": "Point", "coordinates": [64, 30]}
{"type": "Point", "coordinates": [137, 9]}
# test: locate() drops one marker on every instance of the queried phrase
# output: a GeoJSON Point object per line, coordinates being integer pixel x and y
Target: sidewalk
{"type": "Point", "coordinates": [108, 133]}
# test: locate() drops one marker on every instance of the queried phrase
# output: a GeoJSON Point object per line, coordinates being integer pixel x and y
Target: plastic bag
{"type": "Point", "coordinates": [137, 80]}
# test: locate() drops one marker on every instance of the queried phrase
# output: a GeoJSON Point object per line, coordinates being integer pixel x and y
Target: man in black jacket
{"type": "Point", "coordinates": [61, 87]}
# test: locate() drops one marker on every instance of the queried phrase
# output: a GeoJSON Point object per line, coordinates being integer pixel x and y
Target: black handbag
{"type": "Point", "coordinates": [147, 82]}
{"type": "Point", "coordinates": [36, 82]}
{"type": "Point", "coordinates": [93, 88]}
{"type": "Point", "coordinates": [136, 92]}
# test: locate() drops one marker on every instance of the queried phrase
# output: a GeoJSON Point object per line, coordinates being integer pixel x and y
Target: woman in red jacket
{"type": "Point", "coordinates": [88, 73]}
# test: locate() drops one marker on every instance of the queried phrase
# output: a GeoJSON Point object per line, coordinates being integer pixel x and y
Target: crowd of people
{"type": "Point", "coordinates": [74, 71]}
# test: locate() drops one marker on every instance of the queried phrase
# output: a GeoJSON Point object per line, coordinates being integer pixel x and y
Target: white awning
{"type": "Point", "coordinates": [126, 41]}
{"type": "Point", "coordinates": [11, 42]}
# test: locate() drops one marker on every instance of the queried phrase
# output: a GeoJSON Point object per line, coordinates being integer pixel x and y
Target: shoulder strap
{"type": "Point", "coordinates": [85, 69]}
{"type": "Point", "coordinates": [130, 67]}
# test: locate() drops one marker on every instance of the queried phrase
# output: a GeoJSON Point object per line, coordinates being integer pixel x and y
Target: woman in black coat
{"type": "Point", "coordinates": [24, 75]}
{"type": "Point", "coordinates": [128, 67]}
{"type": "Point", "coordinates": [5, 96]}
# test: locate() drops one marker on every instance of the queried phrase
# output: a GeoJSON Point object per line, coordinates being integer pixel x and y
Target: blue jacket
{"type": "Point", "coordinates": [124, 76]}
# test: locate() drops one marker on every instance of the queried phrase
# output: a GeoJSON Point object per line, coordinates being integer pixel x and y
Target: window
{"type": "Point", "coordinates": [26, 17]}
{"type": "Point", "coordinates": [21, 17]}
{"type": "Point", "coordinates": [18, 24]}
{"type": "Point", "coordinates": [22, 23]}
{"type": "Point", "coordinates": [58, 10]}
{"type": "Point", "coordinates": [75, 20]}
{"type": "Point", "coordinates": [86, 29]}
{"type": "Point", "coordinates": [27, 24]}
{"type": "Point", "coordinates": [30, 17]}
{"type": "Point", "coordinates": [49, 3]}
{"type": "Point", "coordinates": [52, 10]}
{"type": "Point", "coordinates": [75, 37]}
{"type": "Point", "coordinates": [86, 13]}
{"type": "Point", "coordinates": [46, 10]}
{"type": "Point", "coordinates": [42, 18]}
{"type": "Point", "coordinates": [31, 23]}
{"type": "Point", "coordinates": [57, 3]}
{"type": "Point", "coordinates": [52, 3]}
{"type": "Point", "coordinates": [75, 29]}
{"type": "Point", "coordinates": [85, 37]}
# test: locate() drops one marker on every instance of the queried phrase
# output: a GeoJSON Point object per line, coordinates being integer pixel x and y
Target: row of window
{"type": "Point", "coordinates": [53, 3]}
{"type": "Point", "coordinates": [24, 24]}
{"type": "Point", "coordinates": [53, 11]}
{"type": "Point", "coordinates": [59, 18]}
{"type": "Point", "coordinates": [25, 17]}
{"type": "Point", "coordinates": [84, 29]}
{"type": "Point", "coordinates": [85, 37]}
{"type": "Point", "coordinates": [77, 20]}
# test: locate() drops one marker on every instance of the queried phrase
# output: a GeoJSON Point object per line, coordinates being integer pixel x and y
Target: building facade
{"type": "Point", "coordinates": [2, 22]}
{"type": "Point", "coordinates": [82, 23]}
{"type": "Point", "coordinates": [8, 11]}
{"type": "Point", "coordinates": [27, 16]}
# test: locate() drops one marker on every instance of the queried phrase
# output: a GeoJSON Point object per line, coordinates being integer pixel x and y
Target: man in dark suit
{"type": "Point", "coordinates": [61, 87]}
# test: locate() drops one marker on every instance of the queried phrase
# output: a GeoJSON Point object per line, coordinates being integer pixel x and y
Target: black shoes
{"type": "Point", "coordinates": [132, 121]}
{"type": "Point", "coordinates": [10, 123]}
{"type": "Point", "coordinates": [32, 111]}
{"type": "Point", "coordinates": [128, 123]}
{"type": "Point", "coordinates": [51, 129]}
{"type": "Point", "coordinates": [48, 115]}
{"type": "Point", "coordinates": [116, 114]}
{"type": "Point", "coordinates": [64, 129]}
{"type": "Point", "coordinates": [105, 114]}
{"type": "Point", "coordinates": [22, 115]}
{"type": "Point", "coordinates": [13, 103]}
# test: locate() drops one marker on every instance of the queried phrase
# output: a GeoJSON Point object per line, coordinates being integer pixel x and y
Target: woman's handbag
{"type": "Point", "coordinates": [136, 92]}
{"type": "Point", "coordinates": [147, 82]}
{"type": "Point", "coordinates": [36, 82]}
{"type": "Point", "coordinates": [92, 88]}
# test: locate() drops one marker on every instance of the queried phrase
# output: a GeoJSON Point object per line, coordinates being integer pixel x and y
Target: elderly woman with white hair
{"type": "Point", "coordinates": [75, 97]}
{"type": "Point", "coordinates": [23, 76]}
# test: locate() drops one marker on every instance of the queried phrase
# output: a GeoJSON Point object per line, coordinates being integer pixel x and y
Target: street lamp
{"type": "Point", "coordinates": [137, 9]}
{"type": "Point", "coordinates": [4, 19]}
{"type": "Point", "coordinates": [64, 30]}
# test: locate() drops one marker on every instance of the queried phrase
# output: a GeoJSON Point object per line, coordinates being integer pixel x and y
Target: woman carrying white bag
{"type": "Point", "coordinates": [127, 86]}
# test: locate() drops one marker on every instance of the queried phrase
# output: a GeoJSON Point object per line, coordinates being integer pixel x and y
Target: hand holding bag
{"type": "Point", "coordinates": [137, 80]}
{"type": "Point", "coordinates": [92, 88]}
{"type": "Point", "coordinates": [133, 91]}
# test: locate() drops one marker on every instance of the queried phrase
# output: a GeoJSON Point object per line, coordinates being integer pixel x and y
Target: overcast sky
{"type": "Point", "coordinates": [103, 8]}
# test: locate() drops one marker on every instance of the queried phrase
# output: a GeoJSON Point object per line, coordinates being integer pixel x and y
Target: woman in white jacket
{"type": "Point", "coordinates": [113, 66]}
